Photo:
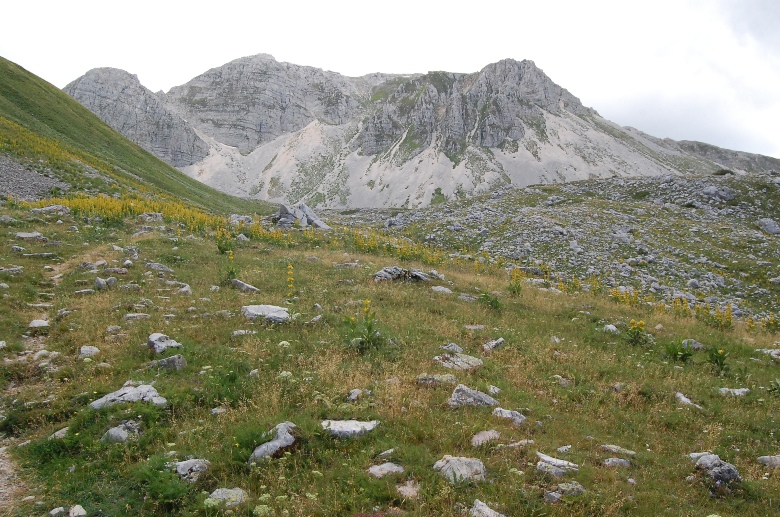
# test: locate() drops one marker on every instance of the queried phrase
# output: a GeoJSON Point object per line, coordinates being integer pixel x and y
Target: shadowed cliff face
{"type": "Point", "coordinates": [124, 104]}
{"type": "Point", "coordinates": [259, 128]}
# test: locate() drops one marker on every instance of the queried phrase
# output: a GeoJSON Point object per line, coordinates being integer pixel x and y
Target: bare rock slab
{"type": "Point", "coordinates": [121, 433]}
{"type": "Point", "coordinates": [160, 342]}
{"type": "Point", "coordinates": [271, 313]}
{"type": "Point", "coordinates": [458, 361]}
{"type": "Point", "coordinates": [770, 461]}
{"type": "Point", "coordinates": [130, 393]}
{"type": "Point", "coordinates": [349, 428]}
{"type": "Point", "coordinates": [458, 469]}
{"type": "Point", "coordinates": [243, 286]}
{"type": "Point", "coordinates": [484, 437]}
{"type": "Point", "coordinates": [282, 440]}
{"type": "Point", "coordinates": [516, 417]}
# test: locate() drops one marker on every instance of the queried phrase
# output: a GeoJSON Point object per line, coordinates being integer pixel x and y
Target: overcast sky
{"type": "Point", "coordinates": [706, 70]}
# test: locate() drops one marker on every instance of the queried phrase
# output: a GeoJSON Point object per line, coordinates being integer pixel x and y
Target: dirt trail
{"type": "Point", "coordinates": [10, 484]}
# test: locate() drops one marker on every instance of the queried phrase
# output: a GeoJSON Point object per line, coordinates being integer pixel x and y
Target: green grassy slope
{"type": "Point", "coordinates": [53, 116]}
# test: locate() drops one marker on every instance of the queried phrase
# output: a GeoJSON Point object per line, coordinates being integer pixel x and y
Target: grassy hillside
{"type": "Point", "coordinates": [47, 128]}
{"type": "Point", "coordinates": [579, 386]}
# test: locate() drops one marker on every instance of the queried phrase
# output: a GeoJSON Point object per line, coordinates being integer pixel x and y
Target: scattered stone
{"type": "Point", "coordinates": [283, 440]}
{"type": "Point", "coordinates": [348, 428]}
{"type": "Point", "coordinates": [770, 461]}
{"type": "Point", "coordinates": [100, 284]}
{"type": "Point", "coordinates": [236, 219]}
{"type": "Point", "coordinates": [770, 226]}
{"type": "Point", "coordinates": [773, 352]}
{"type": "Point", "coordinates": [385, 469]}
{"type": "Point", "coordinates": [88, 351]}
{"type": "Point", "coordinates": [465, 396]}
{"type": "Point", "coordinates": [493, 345]}
{"type": "Point", "coordinates": [77, 511]}
{"type": "Point", "coordinates": [441, 289]}
{"type": "Point", "coordinates": [564, 449]}
{"type": "Point", "coordinates": [239, 333]}
{"type": "Point", "coordinates": [552, 497]}
{"type": "Point", "coordinates": [60, 510]}
{"type": "Point", "coordinates": [516, 417]}
{"type": "Point", "coordinates": [483, 437]}
{"type": "Point", "coordinates": [26, 236]}
{"type": "Point", "coordinates": [452, 347]}
{"type": "Point", "coordinates": [38, 325]}
{"type": "Point", "coordinates": [409, 490]}
{"type": "Point", "coordinates": [190, 470]}
{"type": "Point", "coordinates": [122, 433]}
{"type": "Point", "coordinates": [611, 329]}
{"type": "Point", "coordinates": [571, 488]}
{"type": "Point", "coordinates": [82, 292]}
{"type": "Point", "coordinates": [398, 273]}
{"type": "Point", "coordinates": [465, 297]}
{"type": "Point", "coordinates": [554, 466]}
{"type": "Point", "coordinates": [59, 435]}
{"type": "Point", "coordinates": [734, 392]}
{"type": "Point", "coordinates": [616, 462]}
{"type": "Point", "coordinates": [617, 450]}
{"type": "Point", "coordinates": [156, 266]}
{"type": "Point", "coordinates": [160, 342]}
{"type": "Point", "coordinates": [136, 316]}
{"type": "Point", "coordinates": [494, 390]}
{"type": "Point", "coordinates": [718, 469]}
{"type": "Point", "coordinates": [436, 379]}
{"type": "Point", "coordinates": [229, 497]}
{"type": "Point", "coordinates": [175, 362]}
{"type": "Point", "coordinates": [270, 313]}
{"type": "Point", "coordinates": [692, 344]}
{"type": "Point", "coordinates": [480, 509]}
{"type": "Point", "coordinates": [458, 361]}
{"type": "Point", "coordinates": [243, 286]}
{"type": "Point", "coordinates": [130, 393]}
{"type": "Point", "coordinates": [458, 469]}
{"type": "Point", "coordinates": [685, 401]}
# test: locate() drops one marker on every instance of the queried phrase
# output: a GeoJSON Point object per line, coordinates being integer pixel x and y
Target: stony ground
{"type": "Point", "coordinates": [22, 183]}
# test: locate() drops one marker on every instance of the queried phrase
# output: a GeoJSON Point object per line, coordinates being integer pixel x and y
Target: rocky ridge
{"type": "Point", "coordinates": [264, 129]}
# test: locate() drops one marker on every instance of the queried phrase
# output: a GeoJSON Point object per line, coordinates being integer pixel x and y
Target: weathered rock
{"type": "Point", "coordinates": [493, 345]}
{"type": "Point", "coordinates": [618, 450]}
{"type": "Point", "coordinates": [398, 273]}
{"type": "Point", "coordinates": [59, 435]}
{"type": "Point", "coordinates": [734, 392]}
{"type": "Point", "coordinates": [441, 289]}
{"type": "Point", "coordinates": [88, 351]}
{"type": "Point", "coordinates": [385, 469]}
{"type": "Point", "coordinates": [616, 462]}
{"type": "Point", "coordinates": [692, 344]}
{"type": "Point", "coordinates": [483, 437]}
{"type": "Point", "coordinates": [551, 470]}
{"type": "Point", "coordinates": [229, 497]}
{"type": "Point", "coordinates": [516, 417]}
{"type": "Point", "coordinates": [571, 488]}
{"type": "Point", "coordinates": [718, 469]}
{"type": "Point", "coordinates": [122, 433]}
{"type": "Point", "coordinates": [409, 490]}
{"type": "Point", "coordinates": [770, 226]}
{"type": "Point", "coordinates": [552, 497]}
{"type": "Point", "coordinates": [243, 286]}
{"type": "Point", "coordinates": [136, 316]}
{"type": "Point", "coordinates": [38, 325]}
{"type": "Point", "coordinates": [349, 428]}
{"type": "Point", "coordinates": [465, 396]}
{"type": "Point", "coordinates": [156, 266]}
{"type": "Point", "coordinates": [436, 379]}
{"type": "Point", "coordinates": [77, 511]}
{"type": "Point", "coordinates": [458, 469]}
{"type": "Point", "coordinates": [458, 361]}
{"type": "Point", "coordinates": [27, 236]}
{"type": "Point", "coordinates": [190, 470]}
{"type": "Point", "coordinates": [175, 362]}
{"type": "Point", "coordinates": [284, 438]}
{"type": "Point", "coordinates": [130, 393]}
{"type": "Point", "coordinates": [480, 509]}
{"type": "Point", "coordinates": [770, 461]}
{"type": "Point", "coordinates": [271, 313]}
{"type": "Point", "coordinates": [151, 217]}
{"type": "Point", "coordinates": [160, 342]}
{"type": "Point", "coordinates": [555, 467]}
{"type": "Point", "coordinates": [682, 399]}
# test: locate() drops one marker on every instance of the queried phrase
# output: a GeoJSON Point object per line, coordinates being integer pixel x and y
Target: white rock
{"type": "Point", "coordinates": [617, 450]}
{"type": "Point", "coordinates": [458, 361]}
{"type": "Point", "coordinates": [409, 490]}
{"type": "Point", "coordinates": [682, 399]}
{"type": "Point", "coordinates": [483, 437]}
{"type": "Point", "coordinates": [558, 463]}
{"type": "Point", "coordinates": [441, 289]}
{"type": "Point", "coordinates": [130, 393]}
{"type": "Point", "coordinates": [88, 351]}
{"type": "Point", "coordinates": [770, 461]}
{"type": "Point", "coordinates": [616, 462]}
{"type": "Point", "coordinates": [516, 417]}
{"type": "Point", "coordinates": [190, 470]}
{"type": "Point", "coordinates": [734, 392]}
{"type": "Point", "coordinates": [270, 313]}
{"type": "Point", "coordinates": [480, 509]}
{"type": "Point", "coordinates": [348, 428]}
{"type": "Point", "coordinates": [229, 496]}
{"type": "Point", "coordinates": [458, 469]}
{"type": "Point", "coordinates": [77, 511]}
{"type": "Point", "coordinates": [385, 469]}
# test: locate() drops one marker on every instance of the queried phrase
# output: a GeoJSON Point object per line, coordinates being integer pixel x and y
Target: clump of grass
{"type": "Point", "coordinates": [489, 301]}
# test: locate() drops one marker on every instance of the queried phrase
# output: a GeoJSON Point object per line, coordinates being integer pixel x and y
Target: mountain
{"type": "Point", "coordinates": [284, 132]}
{"type": "Point", "coordinates": [46, 131]}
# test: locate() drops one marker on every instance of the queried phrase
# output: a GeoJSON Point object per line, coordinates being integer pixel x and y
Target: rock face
{"type": "Point", "coordinates": [259, 128]}
{"type": "Point", "coordinates": [127, 106]}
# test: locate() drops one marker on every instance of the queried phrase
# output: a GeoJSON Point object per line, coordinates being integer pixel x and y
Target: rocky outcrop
{"type": "Point", "coordinates": [120, 100]}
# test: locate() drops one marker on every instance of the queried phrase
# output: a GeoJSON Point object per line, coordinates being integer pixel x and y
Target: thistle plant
{"type": "Point", "coordinates": [363, 331]}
